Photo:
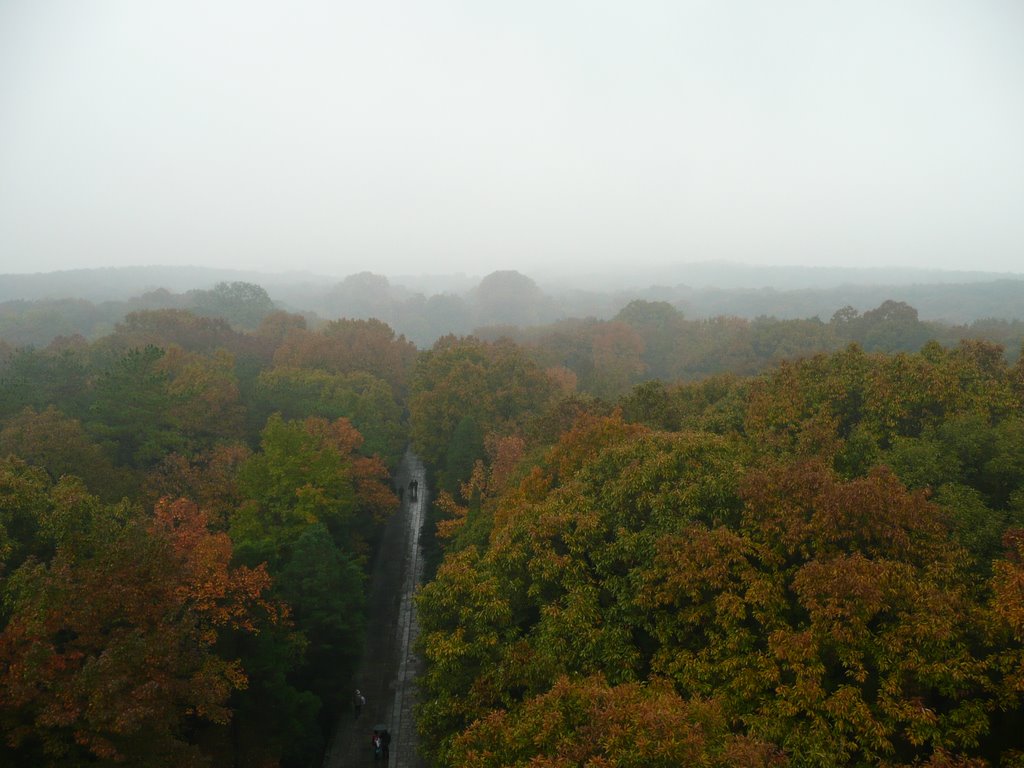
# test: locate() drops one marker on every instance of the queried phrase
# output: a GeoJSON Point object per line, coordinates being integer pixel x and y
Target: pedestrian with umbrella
{"type": "Point", "coordinates": [381, 741]}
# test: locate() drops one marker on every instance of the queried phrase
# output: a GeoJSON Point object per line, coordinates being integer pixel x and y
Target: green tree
{"type": "Point", "coordinates": [311, 505]}
{"type": "Point", "coordinates": [367, 401]}
{"type": "Point", "coordinates": [323, 585]}
{"type": "Point", "coordinates": [61, 446]}
{"type": "Point", "coordinates": [38, 379]}
{"type": "Point", "coordinates": [24, 501]}
{"type": "Point", "coordinates": [466, 447]}
{"type": "Point", "coordinates": [131, 409]}
{"type": "Point", "coordinates": [244, 305]}
{"type": "Point", "coordinates": [494, 385]}
{"type": "Point", "coordinates": [296, 480]}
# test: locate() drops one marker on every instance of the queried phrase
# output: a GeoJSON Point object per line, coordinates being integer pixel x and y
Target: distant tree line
{"type": "Point", "coordinates": [507, 299]}
{"type": "Point", "coordinates": [655, 341]}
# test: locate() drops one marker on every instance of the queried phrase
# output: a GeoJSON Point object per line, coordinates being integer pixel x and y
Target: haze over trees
{"type": "Point", "coordinates": [35, 309]}
{"type": "Point", "coordinates": [700, 324]}
{"type": "Point", "coordinates": [657, 538]}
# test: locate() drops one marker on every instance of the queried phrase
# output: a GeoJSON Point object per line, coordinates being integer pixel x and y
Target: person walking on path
{"type": "Point", "coordinates": [358, 702]}
{"type": "Point", "coordinates": [377, 741]}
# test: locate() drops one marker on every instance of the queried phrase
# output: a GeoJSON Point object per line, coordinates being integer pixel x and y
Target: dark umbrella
{"type": "Point", "coordinates": [380, 727]}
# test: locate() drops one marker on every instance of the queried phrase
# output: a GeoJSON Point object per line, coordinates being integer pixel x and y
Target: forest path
{"type": "Point", "coordinates": [389, 667]}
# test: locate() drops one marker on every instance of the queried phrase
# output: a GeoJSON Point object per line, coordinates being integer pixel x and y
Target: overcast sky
{"type": "Point", "coordinates": [472, 135]}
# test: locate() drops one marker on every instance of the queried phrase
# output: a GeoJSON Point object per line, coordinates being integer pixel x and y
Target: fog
{"type": "Point", "coordinates": [459, 136]}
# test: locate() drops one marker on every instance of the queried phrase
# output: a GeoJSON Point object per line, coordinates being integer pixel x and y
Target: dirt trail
{"type": "Point", "coordinates": [389, 668]}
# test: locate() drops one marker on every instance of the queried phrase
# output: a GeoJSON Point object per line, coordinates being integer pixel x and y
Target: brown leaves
{"type": "Point", "coordinates": [803, 509]}
{"type": "Point", "coordinates": [587, 439]}
{"type": "Point", "coordinates": [112, 644]}
{"type": "Point", "coordinates": [587, 722]}
{"type": "Point", "coordinates": [345, 346]}
{"type": "Point", "coordinates": [1008, 584]}
{"type": "Point", "coordinates": [835, 616]}
{"type": "Point", "coordinates": [209, 479]}
{"type": "Point", "coordinates": [216, 593]}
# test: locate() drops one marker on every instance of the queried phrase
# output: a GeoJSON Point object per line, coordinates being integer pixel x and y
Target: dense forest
{"type": "Point", "coordinates": [819, 565]}
{"type": "Point", "coordinates": [187, 512]}
{"type": "Point", "coordinates": [658, 541]}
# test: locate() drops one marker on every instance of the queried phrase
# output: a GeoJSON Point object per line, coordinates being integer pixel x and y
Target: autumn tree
{"type": "Point", "coordinates": [110, 653]}
{"type": "Point", "coordinates": [552, 593]}
{"type": "Point", "coordinates": [589, 722]}
{"type": "Point", "coordinates": [660, 326]}
{"type": "Point", "coordinates": [836, 621]}
{"type": "Point", "coordinates": [205, 401]}
{"type": "Point", "coordinates": [305, 473]}
{"type": "Point", "coordinates": [351, 346]}
{"type": "Point", "coordinates": [163, 327]}
{"type": "Point", "coordinates": [61, 446]}
{"type": "Point", "coordinates": [618, 359]}
{"type": "Point", "coordinates": [367, 401]}
{"type": "Point", "coordinates": [208, 478]}
{"type": "Point", "coordinates": [485, 387]}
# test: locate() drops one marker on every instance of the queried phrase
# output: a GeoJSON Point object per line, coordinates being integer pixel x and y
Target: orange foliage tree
{"type": "Point", "coordinates": [110, 650]}
{"type": "Point", "coordinates": [839, 621]}
{"type": "Point", "coordinates": [350, 346]}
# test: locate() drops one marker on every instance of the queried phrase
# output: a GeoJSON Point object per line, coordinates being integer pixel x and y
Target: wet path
{"type": "Point", "coordinates": [387, 674]}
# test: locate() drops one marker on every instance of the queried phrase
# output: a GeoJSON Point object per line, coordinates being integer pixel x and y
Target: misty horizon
{"type": "Point", "coordinates": [697, 274]}
{"type": "Point", "coordinates": [455, 138]}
